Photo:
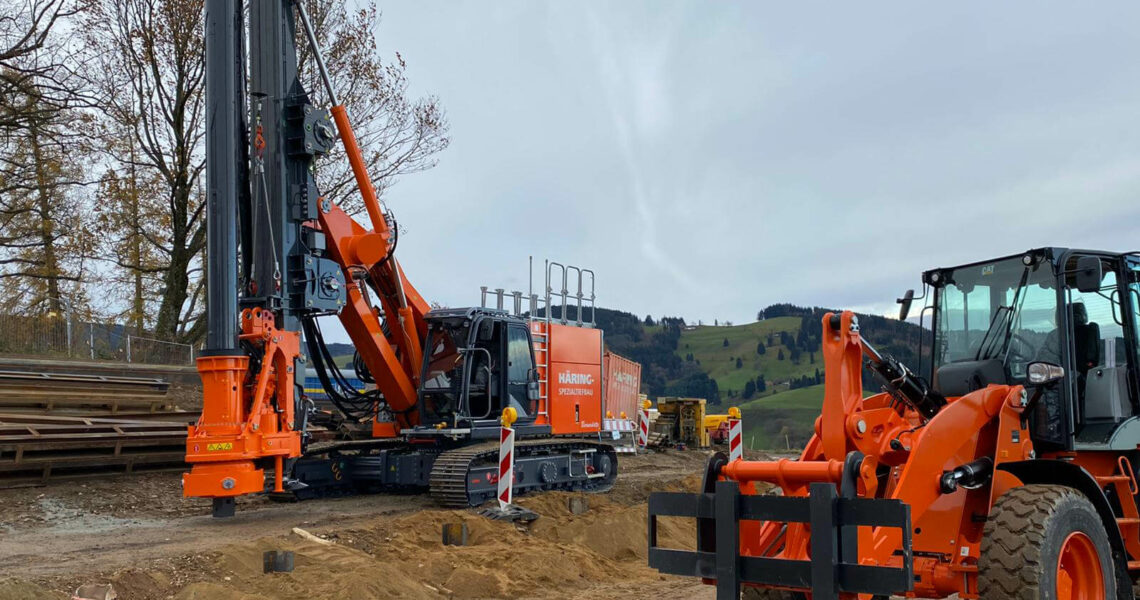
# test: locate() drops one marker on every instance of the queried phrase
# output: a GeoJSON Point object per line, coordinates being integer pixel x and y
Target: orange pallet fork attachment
{"type": "Point", "coordinates": [244, 419]}
{"type": "Point", "coordinates": [891, 459]}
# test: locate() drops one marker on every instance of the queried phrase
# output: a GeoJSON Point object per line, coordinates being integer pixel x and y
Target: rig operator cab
{"type": "Point", "coordinates": [1003, 466]}
{"type": "Point", "coordinates": [479, 362]}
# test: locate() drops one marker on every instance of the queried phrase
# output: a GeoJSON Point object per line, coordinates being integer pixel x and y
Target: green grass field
{"type": "Point", "coordinates": [707, 345]}
{"type": "Point", "coordinates": [782, 420]}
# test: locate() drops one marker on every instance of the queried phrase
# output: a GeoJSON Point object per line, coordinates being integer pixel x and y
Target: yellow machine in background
{"type": "Point", "coordinates": [680, 421]}
{"type": "Point", "coordinates": [716, 426]}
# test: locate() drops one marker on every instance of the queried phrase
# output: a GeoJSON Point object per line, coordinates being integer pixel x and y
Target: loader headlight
{"type": "Point", "coordinates": [1043, 373]}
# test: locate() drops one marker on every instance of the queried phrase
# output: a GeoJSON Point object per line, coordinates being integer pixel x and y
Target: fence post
{"type": "Point", "coordinates": [128, 347]}
{"type": "Point", "coordinates": [91, 338]}
{"type": "Point", "coordinates": [68, 305]}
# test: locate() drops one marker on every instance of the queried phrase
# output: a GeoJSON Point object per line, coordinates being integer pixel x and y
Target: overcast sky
{"type": "Point", "coordinates": [707, 159]}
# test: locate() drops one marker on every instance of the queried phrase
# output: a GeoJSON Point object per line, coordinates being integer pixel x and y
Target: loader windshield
{"type": "Point", "coordinates": [1001, 310]}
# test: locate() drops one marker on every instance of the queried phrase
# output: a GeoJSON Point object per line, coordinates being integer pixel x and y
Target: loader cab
{"type": "Point", "coordinates": [1078, 309]}
{"type": "Point", "coordinates": [477, 362]}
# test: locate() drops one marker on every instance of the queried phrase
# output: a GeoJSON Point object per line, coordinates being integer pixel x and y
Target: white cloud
{"type": "Point", "coordinates": [707, 159]}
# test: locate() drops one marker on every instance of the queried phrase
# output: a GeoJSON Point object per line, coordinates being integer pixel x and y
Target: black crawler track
{"type": "Point", "coordinates": [450, 480]}
{"type": "Point", "coordinates": [348, 468]}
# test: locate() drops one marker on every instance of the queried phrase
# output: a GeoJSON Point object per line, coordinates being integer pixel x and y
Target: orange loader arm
{"type": "Point", "coordinates": [887, 449]}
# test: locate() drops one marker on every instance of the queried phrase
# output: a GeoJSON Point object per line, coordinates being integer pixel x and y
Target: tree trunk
{"type": "Point", "coordinates": [49, 268]}
{"type": "Point", "coordinates": [138, 305]}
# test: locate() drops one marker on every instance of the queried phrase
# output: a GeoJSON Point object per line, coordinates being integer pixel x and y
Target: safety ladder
{"type": "Point", "coordinates": [1123, 483]}
{"type": "Point", "coordinates": [540, 335]}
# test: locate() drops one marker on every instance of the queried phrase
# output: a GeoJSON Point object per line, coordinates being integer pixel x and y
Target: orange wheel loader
{"type": "Point", "coordinates": [1004, 468]}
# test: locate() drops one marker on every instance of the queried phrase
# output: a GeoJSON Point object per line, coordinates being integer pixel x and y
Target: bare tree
{"type": "Point", "coordinates": [32, 57]}
{"type": "Point", "coordinates": [398, 134]}
{"type": "Point", "coordinates": [152, 83]}
{"type": "Point", "coordinates": [44, 238]}
{"type": "Point", "coordinates": [127, 207]}
{"type": "Point", "coordinates": [150, 70]}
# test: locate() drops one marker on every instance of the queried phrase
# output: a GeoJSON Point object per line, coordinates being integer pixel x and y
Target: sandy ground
{"type": "Point", "coordinates": [138, 534]}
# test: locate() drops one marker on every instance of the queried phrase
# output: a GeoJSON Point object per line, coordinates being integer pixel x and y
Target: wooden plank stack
{"type": "Point", "coordinates": [66, 425]}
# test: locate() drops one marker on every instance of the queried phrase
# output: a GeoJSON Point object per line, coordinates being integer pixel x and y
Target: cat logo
{"type": "Point", "coordinates": [987, 270]}
{"type": "Point", "coordinates": [219, 446]}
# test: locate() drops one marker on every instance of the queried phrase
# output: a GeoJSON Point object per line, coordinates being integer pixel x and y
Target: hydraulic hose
{"type": "Point", "coordinates": [898, 380]}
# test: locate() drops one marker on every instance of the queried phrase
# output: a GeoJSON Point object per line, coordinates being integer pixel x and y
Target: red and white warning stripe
{"type": "Point", "coordinates": [643, 428]}
{"type": "Point", "coordinates": [506, 466]}
{"type": "Point", "coordinates": [617, 425]}
{"type": "Point", "coordinates": [735, 433]}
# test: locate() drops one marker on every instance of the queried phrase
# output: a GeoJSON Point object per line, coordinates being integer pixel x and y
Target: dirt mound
{"type": "Point", "coordinates": [320, 571]}
{"type": "Point", "coordinates": [403, 557]}
{"type": "Point", "coordinates": [600, 553]}
{"type": "Point", "coordinates": [23, 590]}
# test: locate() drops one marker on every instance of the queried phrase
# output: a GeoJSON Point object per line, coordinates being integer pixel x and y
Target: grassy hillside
{"type": "Point", "coordinates": [707, 346]}
{"type": "Point", "coordinates": [793, 412]}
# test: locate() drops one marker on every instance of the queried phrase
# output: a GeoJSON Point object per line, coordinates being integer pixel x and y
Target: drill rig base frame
{"type": "Point", "coordinates": [458, 475]}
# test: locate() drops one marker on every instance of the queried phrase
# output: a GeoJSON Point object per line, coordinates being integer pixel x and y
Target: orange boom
{"type": "Point", "coordinates": [1011, 476]}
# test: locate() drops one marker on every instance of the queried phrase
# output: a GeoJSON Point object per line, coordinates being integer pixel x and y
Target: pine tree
{"type": "Point", "coordinates": [780, 354]}
{"type": "Point", "coordinates": [725, 344]}
{"type": "Point", "coordinates": [739, 363]}
{"type": "Point", "coordinates": [760, 349]}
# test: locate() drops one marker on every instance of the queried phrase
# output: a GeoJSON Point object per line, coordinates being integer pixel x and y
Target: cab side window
{"type": "Point", "coordinates": [1097, 342]}
{"type": "Point", "coordinates": [519, 366]}
{"type": "Point", "coordinates": [518, 354]}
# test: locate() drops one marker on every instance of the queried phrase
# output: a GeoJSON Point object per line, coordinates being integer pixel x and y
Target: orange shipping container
{"type": "Point", "coordinates": [622, 385]}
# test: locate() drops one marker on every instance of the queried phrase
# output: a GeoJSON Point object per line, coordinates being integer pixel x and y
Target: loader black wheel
{"type": "Point", "coordinates": [1045, 542]}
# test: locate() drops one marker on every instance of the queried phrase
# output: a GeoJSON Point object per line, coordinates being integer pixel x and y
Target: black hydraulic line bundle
{"type": "Point", "coordinates": [350, 401]}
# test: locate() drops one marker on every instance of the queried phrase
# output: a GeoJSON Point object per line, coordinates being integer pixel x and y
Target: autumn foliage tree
{"type": "Point", "coordinates": [398, 134]}
{"type": "Point", "coordinates": [151, 76]}
{"type": "Point", "coordinates": [43, 222]}
{"type": "Point", "coordinates": [150, 71]}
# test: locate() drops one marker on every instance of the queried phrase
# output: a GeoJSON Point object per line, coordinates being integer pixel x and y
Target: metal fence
{"type": "Point", "coordinates": [59, 335]}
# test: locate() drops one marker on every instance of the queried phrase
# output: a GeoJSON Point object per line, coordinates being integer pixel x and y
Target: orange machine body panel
{"type": "Point", "coordinates": [622, 386]}
{"type": "Point", "coordinates": [574, 379]}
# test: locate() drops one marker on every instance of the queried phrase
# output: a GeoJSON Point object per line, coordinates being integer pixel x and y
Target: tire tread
{"type": "Point", "coordinates": [1014, 540]}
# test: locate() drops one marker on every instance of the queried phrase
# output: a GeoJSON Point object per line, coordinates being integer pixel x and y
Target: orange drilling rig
{"type": "Point", "coordinates": [280, 256]}
{"type": "Point", "coordinates": [1011, 474]}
